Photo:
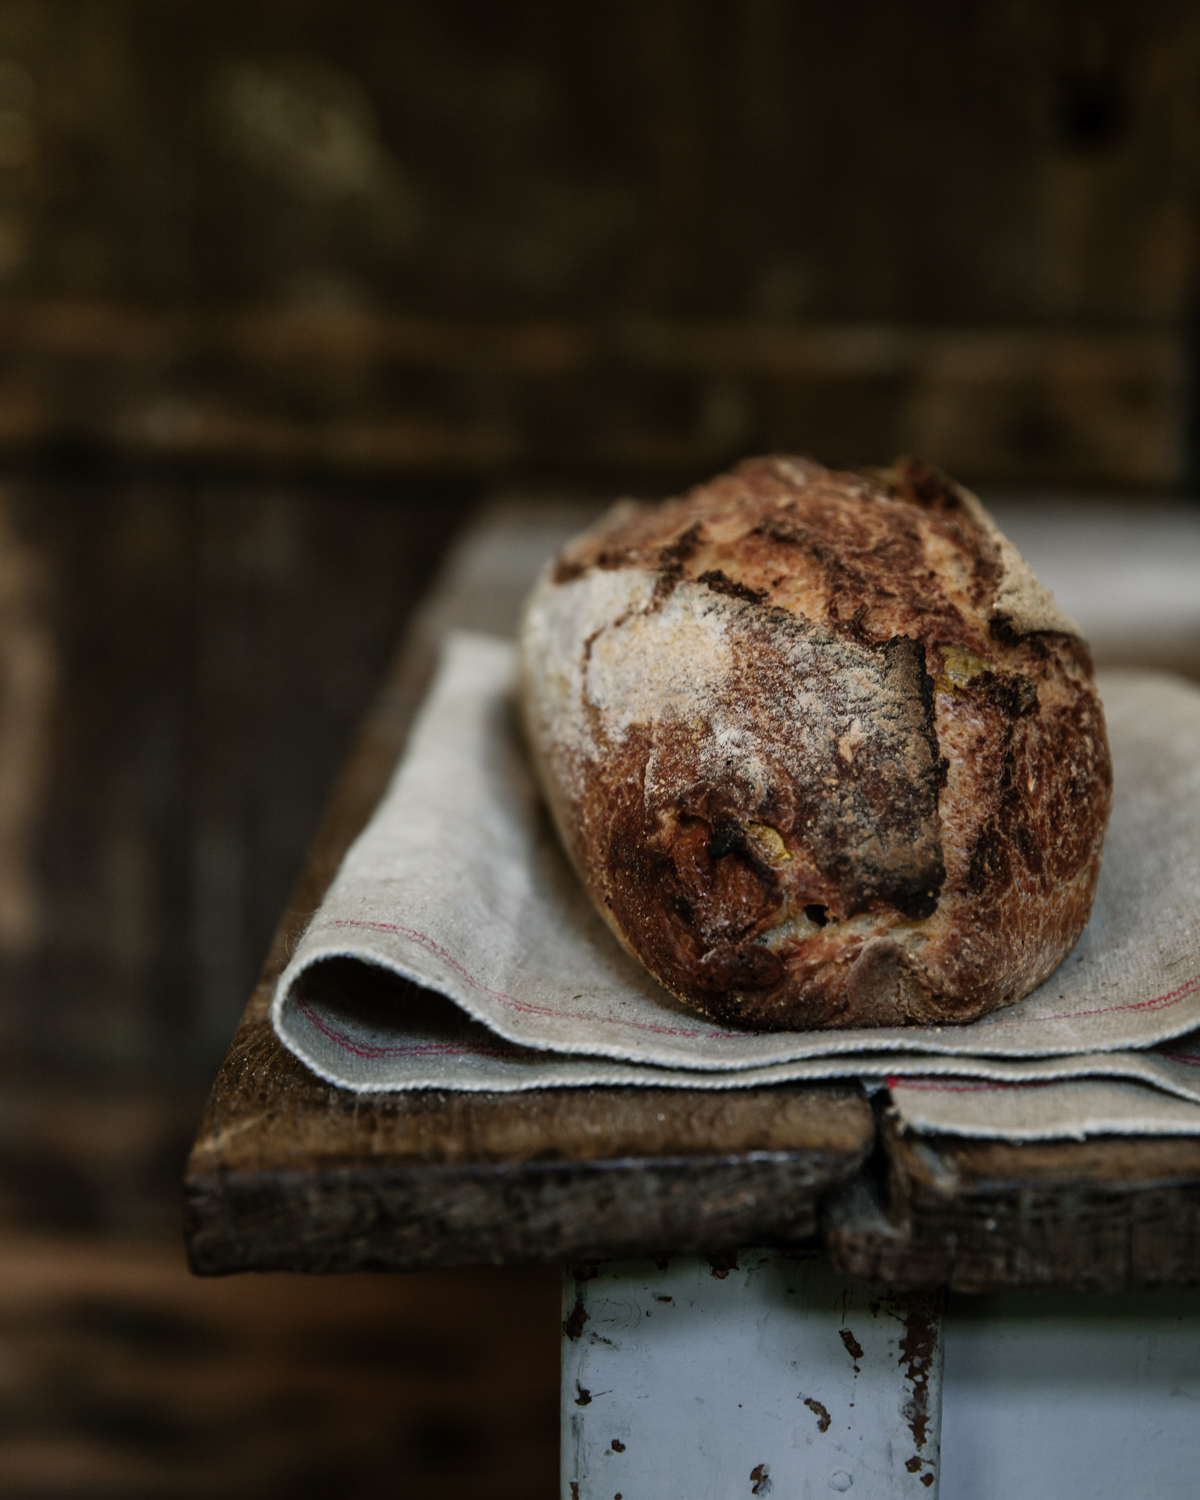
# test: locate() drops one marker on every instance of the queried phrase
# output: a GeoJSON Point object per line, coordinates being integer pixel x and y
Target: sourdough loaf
{"type": "Point", "coordinates": [821, 748]}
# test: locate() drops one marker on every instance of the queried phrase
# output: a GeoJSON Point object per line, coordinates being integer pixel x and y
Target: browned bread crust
{"type": "Point", "coordinates": [822, 750]}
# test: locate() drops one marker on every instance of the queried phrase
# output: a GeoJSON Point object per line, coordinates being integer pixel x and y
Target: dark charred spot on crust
{"type": "Point", "coordinates": [780, 530]}
{"type": "Point", "coordinates": [721, 584]}
{"type": "Point", "coordinates": [1000, 629]}
{"type": "Point", "coordinates": [1026, 841]}
{"type": "Point", "coordinates": [817, 913]}
{"type": "Point", "coordinates": [569, 567]}
{"type": "Point", "coordinates": [915, 902]}
{"type": "Point", "coordinates": [929, 695]}
{"type": "Point", "coordinates": [1013, 694]}
{"type": "Point", "coordinates": [665, 585]}
{"type": "Point", "coordinates": [1041, 643]}
{"type": "Point", "coordinates": [676, 553]}
{"type": "Point", "coordinates": [589, 708]}
{"type": "Point", "coordinates": [684, 909]}
{"type": "Point", "coordinates": [567, 570]}
{"type": "Point", "coordinates": [728, 837]}
{"type": "Point", "coordinates": [1020, 697]}
{"type": "Point", "coordinates": [579, 558]}
{"type": "Point", "coordinates": [921, 484]}
{"type": "Point", "coordinates": [990, 862]}
{"type": "Point", "coordinates": [854, 626]}
{"type": "Point", "coordinates": [747, 967]}
{"type": "Point", "coordinates": [671, 559]}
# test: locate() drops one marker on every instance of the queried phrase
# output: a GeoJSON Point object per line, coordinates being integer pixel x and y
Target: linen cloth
{"type": "Point", "coordinates": [456, 949]}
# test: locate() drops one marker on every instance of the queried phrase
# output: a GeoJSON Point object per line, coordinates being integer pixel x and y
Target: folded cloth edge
{"type": "Point", "coordinates": [840, 1057]}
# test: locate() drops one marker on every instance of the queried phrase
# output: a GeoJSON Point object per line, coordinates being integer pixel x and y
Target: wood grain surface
{"type": "Point", "coordinates": [291, 1173]}
{"type": "Point", "coordinates": [1105, 1214]}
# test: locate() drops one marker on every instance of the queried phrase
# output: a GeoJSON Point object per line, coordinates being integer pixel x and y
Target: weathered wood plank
{"type": "Point", "coordinates": [1097, 1215]}
{"type": "Point", "coordinates": [436, 1179]}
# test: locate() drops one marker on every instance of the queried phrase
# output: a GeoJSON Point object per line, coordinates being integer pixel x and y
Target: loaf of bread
{"type": "Point", "coordinates": [820, 747]}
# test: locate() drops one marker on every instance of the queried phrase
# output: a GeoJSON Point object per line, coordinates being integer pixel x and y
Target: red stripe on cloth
{"type": "Point", "coordinates": [408, 1049]}
{"type": "Point", "coordinates": [938, 1086]}
{"type": "Point", "coordinates": [527, 1007]}
{"type": "Point", "coordinates": [1160, 1002]}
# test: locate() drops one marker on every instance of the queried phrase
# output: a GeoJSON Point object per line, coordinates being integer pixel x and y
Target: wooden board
{"type": "Point", "coordinates": [300, 1176]}
{"type": "Point", "coordinates": [289, 1172]}
{"type": "Point", "coordinates": [1104, 1214]}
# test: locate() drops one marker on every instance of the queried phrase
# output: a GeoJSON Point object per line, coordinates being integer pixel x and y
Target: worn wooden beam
{"type": "Point", "coordinates": [1103, 1214]}
{"type": "Point", "coordinates": [334, 1182]}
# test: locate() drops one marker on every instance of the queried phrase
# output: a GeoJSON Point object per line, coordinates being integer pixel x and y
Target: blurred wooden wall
{"type": "Point", "coordinates": [182, 659]}
{"type": "Point", "coordinates": [283, 287]}
{"type": "Point", "coordinates": [633, 237]}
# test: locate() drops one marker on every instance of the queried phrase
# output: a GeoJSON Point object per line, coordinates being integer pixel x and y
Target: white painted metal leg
{"type": "Point", "coordinates": [768, 1377]}
{"type": "Point", "coordinates": [1083, 1396]}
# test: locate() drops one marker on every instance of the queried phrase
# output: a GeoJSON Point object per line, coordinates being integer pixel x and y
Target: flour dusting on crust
{"type": "Point", "coordinates": [822, 749]}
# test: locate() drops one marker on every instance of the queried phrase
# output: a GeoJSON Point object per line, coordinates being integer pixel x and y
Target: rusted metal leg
{"type": "Point", "coordinates": [755, 1375]}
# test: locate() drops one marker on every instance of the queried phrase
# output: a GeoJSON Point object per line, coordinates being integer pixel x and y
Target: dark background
{"type": "Point", "coordinates": [631, 238]}
{"type": "Point", "coordinates": [285, 289]}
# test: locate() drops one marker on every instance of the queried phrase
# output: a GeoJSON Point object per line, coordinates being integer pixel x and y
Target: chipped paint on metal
{"type": "Point", "coordinates": [762, 1480]}
{"type": "Point", "coordinates": [575, 1319]}
{"type": "Point", "coordinates": [918, 1350]}
{"type": "Point", "coordinates": [820, 1412]}
{"type": "Point", "coordinates": [757, 1373]}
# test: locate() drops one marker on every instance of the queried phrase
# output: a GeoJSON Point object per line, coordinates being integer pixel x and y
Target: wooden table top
{"type": "Point", "coordinates": [289, 1172]}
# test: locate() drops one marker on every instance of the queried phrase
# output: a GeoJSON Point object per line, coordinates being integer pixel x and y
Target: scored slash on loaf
{"type": "Point", "coordinates": [820, 747]}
